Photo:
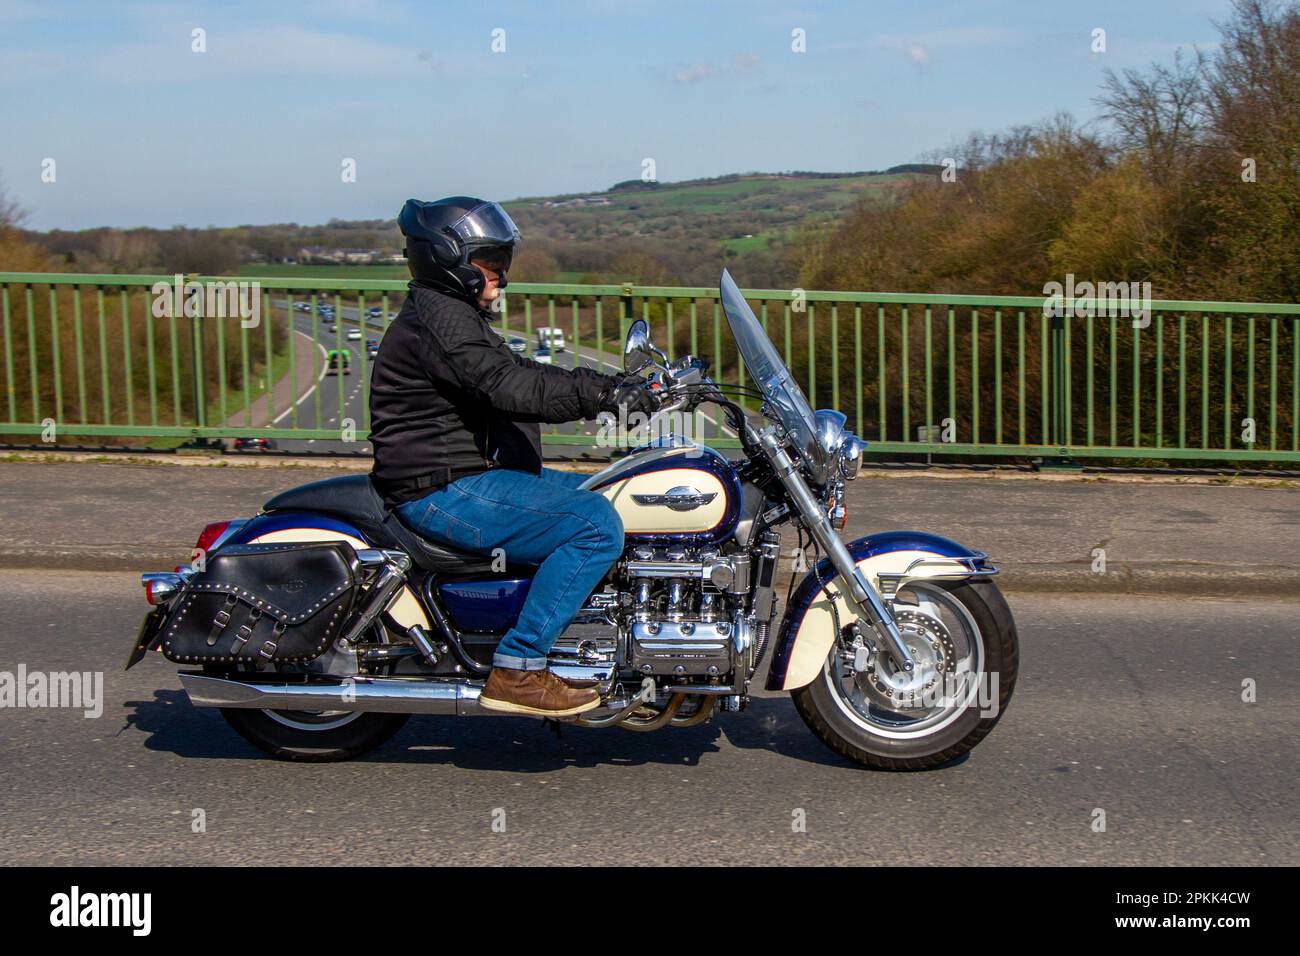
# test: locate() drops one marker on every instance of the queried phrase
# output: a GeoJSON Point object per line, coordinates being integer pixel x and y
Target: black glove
{"type": "Point", "coordinates": [632, 391]}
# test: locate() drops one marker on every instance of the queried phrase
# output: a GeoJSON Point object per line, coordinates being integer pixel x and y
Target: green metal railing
{"type": "Point", "coordinates": [991, 376]}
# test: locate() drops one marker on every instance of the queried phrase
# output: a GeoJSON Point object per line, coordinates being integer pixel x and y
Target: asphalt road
{"type": "Point", "coordinates": [1129, 705]}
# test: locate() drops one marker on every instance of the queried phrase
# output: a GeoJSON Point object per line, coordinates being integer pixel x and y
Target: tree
{"type": "Point", "coordinates": [1158, 114]}
{"type": "Point", "coordinates": [1254, 108]}
{"type": "Point", "coordinates": [10, 213]}
{"type": "Point", "coordinates": [534, 263]}
{"type": "Point", "coordinates": [200, 250]}
{"type": "Point", "coordinates": [134, 251]}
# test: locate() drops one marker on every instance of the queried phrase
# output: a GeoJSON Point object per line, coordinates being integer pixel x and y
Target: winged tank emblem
{"type": "Point", "coordinates": [681, 498]}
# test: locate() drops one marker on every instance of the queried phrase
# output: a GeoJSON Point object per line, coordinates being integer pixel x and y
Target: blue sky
{"type": "Point", "coordinates": [254, 130]}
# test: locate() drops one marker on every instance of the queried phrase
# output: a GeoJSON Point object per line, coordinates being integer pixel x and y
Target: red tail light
{"type": "Point", "coordinates": [210, 536]}
{"type": "Point", "coordinates": [160, 586]}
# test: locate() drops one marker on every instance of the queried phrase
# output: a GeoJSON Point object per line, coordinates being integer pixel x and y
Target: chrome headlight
{"type": "Point", "coordinates": [850, 456]}
{"type": "Point", "coordinates": [828, 428]}
{"type": "Point", "coordinates": [840, 450]}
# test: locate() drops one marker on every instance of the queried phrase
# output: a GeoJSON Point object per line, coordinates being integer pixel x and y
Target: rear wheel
{"type": "Point", "coordinates": [313, 736]}
{"type": "Point", "coordinates": [964, 642]}
{"type": "Point", "coordinates": [316, 736]}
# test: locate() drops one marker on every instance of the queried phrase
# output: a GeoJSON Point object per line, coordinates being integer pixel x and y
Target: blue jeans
{"type": "Point", "coordinates": [573, 536]}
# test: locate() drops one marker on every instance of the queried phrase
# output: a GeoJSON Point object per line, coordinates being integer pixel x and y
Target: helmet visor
{"type": "Point", "coordinates": [487, 224]}
{"type": "Point", "coordinates": [494, 258]}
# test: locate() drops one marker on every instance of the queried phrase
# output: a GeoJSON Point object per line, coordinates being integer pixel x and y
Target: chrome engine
{"type": "Point", "coordinates": [682, 614]}
{"type": "Point", "coordinates": [686, 615]}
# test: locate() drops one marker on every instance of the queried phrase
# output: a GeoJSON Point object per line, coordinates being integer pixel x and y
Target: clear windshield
{"type": "Point", "coordinates": [770, 374]}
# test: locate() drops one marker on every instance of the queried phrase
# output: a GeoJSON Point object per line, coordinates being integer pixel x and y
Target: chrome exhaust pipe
{"type": "Point", "coordinates": [378, 694]}
{"type": "Point", "coordinates": [389, 695]}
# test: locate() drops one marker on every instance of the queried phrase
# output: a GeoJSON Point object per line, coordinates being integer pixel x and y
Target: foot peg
{"type": "Point", "coordinates": [420, 638]}
{"type": "Point", "coordinates": [643, 696]}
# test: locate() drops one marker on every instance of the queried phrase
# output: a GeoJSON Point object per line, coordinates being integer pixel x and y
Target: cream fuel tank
{"type": "Point", "coordinates": [680, 492]}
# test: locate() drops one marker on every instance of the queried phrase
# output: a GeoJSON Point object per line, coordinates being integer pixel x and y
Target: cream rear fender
{"type": "Point", "coordinates": [887, 559]}
{"type": "Point", "coordinates": [405, 611]}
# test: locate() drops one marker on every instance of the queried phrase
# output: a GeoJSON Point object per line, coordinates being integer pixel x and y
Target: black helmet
{"type": "Point", "coordinates": [442, 236]}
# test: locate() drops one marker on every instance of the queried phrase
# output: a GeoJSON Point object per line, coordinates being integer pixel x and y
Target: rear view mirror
{"type": "Point", "coordinates": [638, 351]}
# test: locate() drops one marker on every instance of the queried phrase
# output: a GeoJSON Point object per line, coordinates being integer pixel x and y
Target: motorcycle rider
{"type": "Point", "coordinates": [455, 427]}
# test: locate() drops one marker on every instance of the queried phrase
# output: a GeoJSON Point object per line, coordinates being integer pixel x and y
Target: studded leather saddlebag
{"type": "Point", "coordinates": [263, 603]}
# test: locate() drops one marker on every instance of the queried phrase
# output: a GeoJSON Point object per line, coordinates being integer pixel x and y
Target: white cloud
{"type": "Point", "coordinates": [695, 72]}
{"type": "Point", "coordinates": [919, 49]}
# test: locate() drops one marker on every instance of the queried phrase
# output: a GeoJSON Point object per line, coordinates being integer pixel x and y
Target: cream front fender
{"type": "Point", "coordinates": [807, 630]}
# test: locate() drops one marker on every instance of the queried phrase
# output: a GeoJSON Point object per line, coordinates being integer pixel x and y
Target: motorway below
{"type": "Point", "coordinates": [327, 400]}
{"type": "Point", "coordinates": [1131, 706]}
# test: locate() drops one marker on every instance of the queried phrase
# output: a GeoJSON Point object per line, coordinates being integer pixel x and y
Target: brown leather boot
{"type": "Point", "coordinates": [540, 693]}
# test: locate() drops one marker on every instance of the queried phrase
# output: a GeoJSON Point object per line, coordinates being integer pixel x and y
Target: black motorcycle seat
{"type": "Point", "coordinates": [354, 499]}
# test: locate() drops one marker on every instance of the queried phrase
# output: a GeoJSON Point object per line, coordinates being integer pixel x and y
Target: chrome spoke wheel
{"type": "Point", "coordinates": [313, 720]}
{"type": "Point", "coordinates": [317, 721]}
{"type": "Point", "coordinates": [948, 650]}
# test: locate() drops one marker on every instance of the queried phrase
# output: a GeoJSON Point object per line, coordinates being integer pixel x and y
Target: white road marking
{"type": "Point", "coordinates": [303, 396]}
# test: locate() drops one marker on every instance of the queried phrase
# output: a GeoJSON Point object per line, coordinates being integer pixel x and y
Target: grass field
{"type": "Point", "coordinates": [722, 196]}
{"type": "Point", "coordinates": [748, 243]}
{"type": "Point", "coordinates": [764, 205]}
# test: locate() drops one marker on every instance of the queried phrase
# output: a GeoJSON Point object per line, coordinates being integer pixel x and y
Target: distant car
{"type": "Point", "coordinates": [375, 312]}
{"type": "Point", "coordinates": [332, 328]}
{"type": "Point", "coordinates": [339, 360]}
{"type": "Point", "coordinates": [301, 307]}
{"type": "Point", "coordinates": [542, 355]}
{"type": "Point", "coordinates": [517, 344]}
{"type": "Point", "coordinates": [372, 349]}
{"type": "Point", "coordinates": [254, 444]}
{"type": "Point", "coordinates": [324, 309]}
{"type": "Point", "coordinates": [354, 335]}
{"type": "Point", "coordinates": [550, 337]}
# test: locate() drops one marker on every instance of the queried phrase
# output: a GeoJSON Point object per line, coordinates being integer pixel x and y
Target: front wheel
{"type": "Point", "coordinates": [963, 640]}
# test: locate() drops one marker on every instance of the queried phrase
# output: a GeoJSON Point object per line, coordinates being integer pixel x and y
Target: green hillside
{"type": "Point", "coordinates": [661, 233]}
{"type": "Point", "coordinates": [728, 209]}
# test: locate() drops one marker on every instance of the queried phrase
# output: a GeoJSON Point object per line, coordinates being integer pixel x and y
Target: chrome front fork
{"type": "Point", "coordinates": [871, 608]}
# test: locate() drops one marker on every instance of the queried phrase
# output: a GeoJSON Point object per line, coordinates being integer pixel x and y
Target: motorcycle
{"type": "Point", "coordinates": [320, 625]}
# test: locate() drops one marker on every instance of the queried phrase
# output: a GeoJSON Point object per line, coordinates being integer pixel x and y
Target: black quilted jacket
{"type": "Point", "coordinates": [447, 396]}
